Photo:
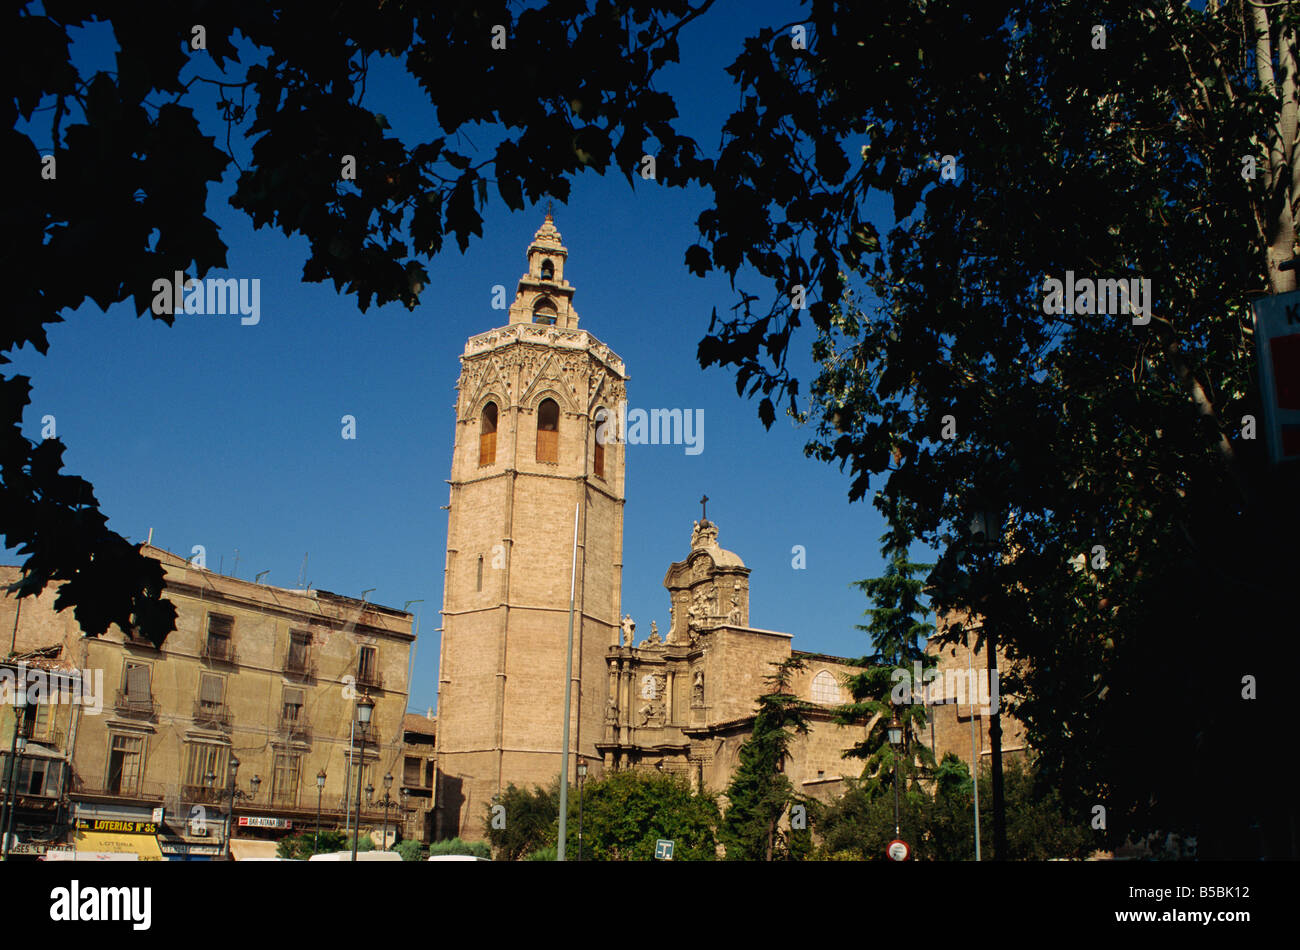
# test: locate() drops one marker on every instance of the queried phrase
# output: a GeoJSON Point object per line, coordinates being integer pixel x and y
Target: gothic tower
{"type": "Point", "coordinates": [530, 397]}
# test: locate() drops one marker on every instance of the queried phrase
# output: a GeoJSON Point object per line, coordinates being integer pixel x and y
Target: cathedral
{"type": "Point", "coordinates": [529, 477]}
{"type": "Point", "coordinates": [536, 519]}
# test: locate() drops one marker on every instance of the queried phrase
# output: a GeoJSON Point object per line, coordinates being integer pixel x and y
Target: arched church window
{"type": "Point", "coordinates": [487, 435]}
{"type": "Point", "coordinates": [598, 454]}
{"type": "Point", "coordinates": [544, 312]}
{"type": "Point", "coordinates": [548, 431]}
{"type": "Point", "coordinates": [548, 270]}
{"type": "Point", "coordinates": [825, 690]}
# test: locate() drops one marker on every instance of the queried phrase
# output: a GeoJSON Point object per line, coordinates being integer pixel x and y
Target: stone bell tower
{"type": "Point", "coordinates": [525, 457]}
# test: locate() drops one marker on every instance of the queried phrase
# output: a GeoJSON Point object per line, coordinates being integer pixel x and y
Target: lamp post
{"type": "Point", "coordinates": [320, 789]}
{"type": "Point", "coordinates": [365, 706]}
{"type": "Point", "coordinates": [230, 815]}
{"type": "Point", "coordinates": [582, 774]}
{"type": "Point", "coordinates": [16, 747]}
{"type": "Point", "coordinates": [387, 802]}
{"type": "Point", "coordinates": [986, 522]}
{"type": "Point", "coordinates": [406, 797]}
{"type": "Point", "coordinates": [896, 740]}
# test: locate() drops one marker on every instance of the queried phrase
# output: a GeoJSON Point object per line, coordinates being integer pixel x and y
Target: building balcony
{"type": "Point", "coordinates": [151, 793]}
{"type": "Point", "coordinates": [204, 795]}
{"type": "Point", "coordinates": [370, 679]}
{"type": "Point", "coordinates": [135, 705]}
{"type": "Point", "coordinates": [296, 729]}
{"type": "Point", "coordinates": [213, 715]}
{"type": "Point", "coordinates": [300, 667]}
{"type": "Point", "coordinates": [218, 650]}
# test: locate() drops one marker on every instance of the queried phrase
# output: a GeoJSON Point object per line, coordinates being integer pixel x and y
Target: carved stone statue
{"type": "Point", "coordinates": [697, 691]}
{"type": "Point", "coordinates": [733, 615]}
{"type": "Point", "coordinates": [629, 630]}
{"type": "Point", "coordinates": [611, 710]}
{"type": "Point", "coordinates": [654, 635]}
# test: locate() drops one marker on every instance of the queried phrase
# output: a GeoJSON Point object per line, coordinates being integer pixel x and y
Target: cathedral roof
{"type": "Point", "coordinates": [704, 537]}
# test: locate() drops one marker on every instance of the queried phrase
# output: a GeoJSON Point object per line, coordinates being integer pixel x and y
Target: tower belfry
{"type": "Point", "coordinates": [526, 456]}
{"type": "Point", "coordinates": [543, 295]}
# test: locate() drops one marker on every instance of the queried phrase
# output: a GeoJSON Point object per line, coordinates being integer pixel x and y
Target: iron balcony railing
{"type": "Point", "coordinates": [296, 729]}
{"type": "Point", "coordinates": [218, 650]}
{"type": "Point", "coordinates": [135, 705]}
{"type": "Point", "coordinates": [301, 666]}
{"type": "Point", "coordinates": [204, 795]}
{"type": "Point", "coordinates": [216, 715]}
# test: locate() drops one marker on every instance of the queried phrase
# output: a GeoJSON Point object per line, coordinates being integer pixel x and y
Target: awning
{"type": "Point", "coordinates": [245, 849]}
{"type": "Point", "coordinates": [146, 846]}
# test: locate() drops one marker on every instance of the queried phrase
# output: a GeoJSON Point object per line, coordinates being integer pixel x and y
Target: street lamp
{"type": "Point", "coordinates": [320, 788]}
{"type": "Point", "coordinates": [365, 706]}
{"type": "Point", "coordinates": [582, 774]}
{"type": "Point", "coordinates": [895, 730]}
{"type": "Point", "coordinates": [986, 526]}
{"type": "Point", "coordinates": [230, 815]}
{"type": "Point", "coordinates": [387, 802]}
{"type": "Point", "coordinates": [15, 751]}
{"type": "Point", "coordinates": [406, 797]}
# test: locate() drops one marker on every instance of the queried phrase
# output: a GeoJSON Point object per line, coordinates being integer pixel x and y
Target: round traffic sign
{"type": "Point", "coordinates": [898, 850]}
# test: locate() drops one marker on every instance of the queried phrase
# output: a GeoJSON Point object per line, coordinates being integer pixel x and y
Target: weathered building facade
{"type": "Point", "coordinates": [221, 733]}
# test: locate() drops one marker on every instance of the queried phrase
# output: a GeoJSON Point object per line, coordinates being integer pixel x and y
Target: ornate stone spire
{"type": "Point", "coordinates": [543, 295]}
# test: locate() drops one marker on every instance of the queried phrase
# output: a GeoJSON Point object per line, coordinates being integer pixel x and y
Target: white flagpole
{"type": "Point", "coordinates": [568, 699]}
{"type": "Point", "coordinates": [974, 757]}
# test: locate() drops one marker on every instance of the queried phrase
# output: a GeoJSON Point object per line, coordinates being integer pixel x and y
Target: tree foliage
{"type": "Point", "coordinates": [625, 813]}
{"type": "Point", "coordinates": [939, 822]}
{"type": "Point", "coordinates": [760, 794]}
{"type": "Point", "coordinates": [947, 388]}
{"type": "Point", "coordinates": [888, 685]}
{"type": "Point", "coordinates": [129, 201]}
{"type": "Point", "coordinates": [530, 820]}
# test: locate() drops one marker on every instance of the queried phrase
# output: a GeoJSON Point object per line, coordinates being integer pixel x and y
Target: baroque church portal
{"type": "Point", "coordinates": [526, 459]}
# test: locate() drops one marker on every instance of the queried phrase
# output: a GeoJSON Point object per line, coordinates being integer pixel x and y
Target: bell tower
{"type": "Point", "coordinates": [529, 399]}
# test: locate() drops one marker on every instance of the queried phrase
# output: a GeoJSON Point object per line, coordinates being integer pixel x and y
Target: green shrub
{"type": "Point", "coordinates": [543, 854]}
{"type": "Point", "coordinates": [411, 850]}
{"type": "Point", "coordinates": [478, 849]}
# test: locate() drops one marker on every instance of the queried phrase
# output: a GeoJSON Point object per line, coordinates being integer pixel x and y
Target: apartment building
{"type": "Point", "coordinates": [241, 728]}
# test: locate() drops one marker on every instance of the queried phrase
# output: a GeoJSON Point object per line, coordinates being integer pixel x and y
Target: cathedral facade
{"type": "Point", "coordinates": [535, 521]}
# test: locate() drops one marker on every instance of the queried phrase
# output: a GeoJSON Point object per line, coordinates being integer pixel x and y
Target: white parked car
{"type": "Point", "coordinates": [361, 856]}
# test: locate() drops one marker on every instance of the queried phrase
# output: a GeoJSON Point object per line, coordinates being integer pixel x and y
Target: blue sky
{"type": "Point", "coordinates": [229, 436]}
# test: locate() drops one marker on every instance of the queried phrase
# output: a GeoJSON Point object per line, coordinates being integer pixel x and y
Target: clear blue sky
{"type": "Point", "coordinates": [228, 436]}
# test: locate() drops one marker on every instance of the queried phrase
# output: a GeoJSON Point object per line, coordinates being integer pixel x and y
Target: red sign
{"type": "Point", "coordinates": [1277, 338]}
{"type": "Point", "coordinates": [898, 850]}
{"type": "Point", "coordinates": [256, 821]}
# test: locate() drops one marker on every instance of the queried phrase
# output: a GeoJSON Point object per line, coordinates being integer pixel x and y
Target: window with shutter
{"type": "Point", "coordinates": [548, 431]}
{"type": "Point", "coordinates": [220, 628]}
{"type": "Point", "coordinates": [598, 453]}
{"type": "Point", "coordinates": [211, 690]}
{"type": "Point", "coordinates": [299, 643]}
{"type": "Point", "coordinates": [284, 788]}
{"type": "Point", "coordinates": [124, 764]}
{"type": "Point", "coordinates": [487, 435]}
{"type": "Point", "coordinates": [137, 683]}
{"type": "Point", "coordinates": [366, 665]}
{"type": "Point", "coordinates": [292, 704]}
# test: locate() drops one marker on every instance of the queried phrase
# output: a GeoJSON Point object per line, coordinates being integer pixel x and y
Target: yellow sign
{"type": "Point", "coordinates": [117, 826]}
{"type": "Point", "coordinates": [145, 846]}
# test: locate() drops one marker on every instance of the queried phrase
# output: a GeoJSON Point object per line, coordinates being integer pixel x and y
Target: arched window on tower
{"type": "Point", "coordinates": [598, 453]}
{"type": "Point", "coordinates": [548, 431]}
{"type": "Point", "coordinates": [548, 270]}
{"type": "Point", "coordinates": [825, 690]}
{"type": "Point", "coordinates": [544, 312]}
{"type": "Point", "coordinates": [487, 435]}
